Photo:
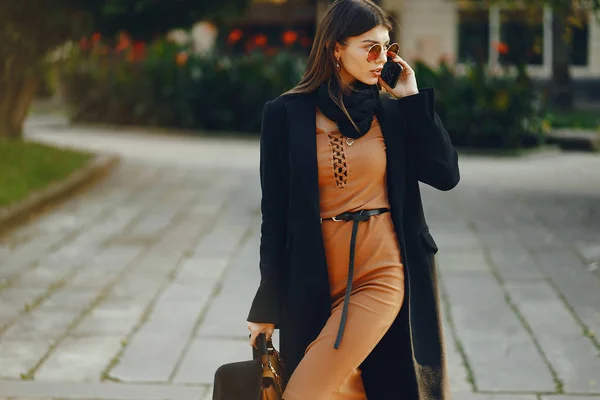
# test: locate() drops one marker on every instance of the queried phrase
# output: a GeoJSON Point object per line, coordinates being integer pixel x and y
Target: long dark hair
{"type": "Point", "coordinates": [343, 19]}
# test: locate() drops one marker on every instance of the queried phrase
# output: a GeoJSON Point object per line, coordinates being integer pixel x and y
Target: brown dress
{"type": "Point", "coordinates": [352, 177]}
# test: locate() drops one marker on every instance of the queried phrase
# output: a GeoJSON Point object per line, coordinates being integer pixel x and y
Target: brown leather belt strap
{"type": "Point", "coordinates": [356, 217]}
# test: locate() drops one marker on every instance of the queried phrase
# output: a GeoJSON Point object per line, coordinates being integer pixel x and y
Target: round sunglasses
{"type": "Point", "coordinates": [375, 51]}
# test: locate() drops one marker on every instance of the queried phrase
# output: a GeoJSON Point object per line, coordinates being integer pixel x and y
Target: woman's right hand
{"type": "Point", "coordinates": [257, 328]}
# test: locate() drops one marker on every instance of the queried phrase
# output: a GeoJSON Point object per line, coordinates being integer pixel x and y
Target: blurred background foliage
{"type": "Point", "coordinates": [31, 29]}
{"type": "Point", "coordinates": [136, 62]}
{"type": "Point", "coordinates": [167, 84]}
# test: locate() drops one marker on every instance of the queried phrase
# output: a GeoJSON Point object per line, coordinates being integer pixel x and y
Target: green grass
{"type": "Point", "coordinates": [583, 119]}
{"type": "Point", "coordinates": [26, 167]}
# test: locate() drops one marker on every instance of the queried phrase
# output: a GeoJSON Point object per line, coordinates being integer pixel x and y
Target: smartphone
{"type": "Point", "coordinates": [391, 72]}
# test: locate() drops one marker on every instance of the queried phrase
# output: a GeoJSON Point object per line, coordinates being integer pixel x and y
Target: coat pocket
{"type": "Point", "coordinates": [428, 241]}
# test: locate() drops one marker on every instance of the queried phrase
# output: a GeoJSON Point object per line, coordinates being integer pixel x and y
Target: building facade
{"type": "Point", "coordinates": [432, 30]}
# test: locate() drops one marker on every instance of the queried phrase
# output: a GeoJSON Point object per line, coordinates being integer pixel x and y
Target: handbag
{"type": "Point", "coordinates": [262, 378]}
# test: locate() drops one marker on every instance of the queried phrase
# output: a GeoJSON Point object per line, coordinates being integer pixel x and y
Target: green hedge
{"type": "Point", "coordinates": [485, 110]}
{"type": "Point", "coordinates": [166, 85]}
{"type": "Point", "coordinates": [578, 118]}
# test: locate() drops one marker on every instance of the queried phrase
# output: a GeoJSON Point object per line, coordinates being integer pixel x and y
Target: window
{"type": "Point", "coordinates": [522, 35]}
{"type": "Point", "coordinates": [579, 39]}
{"type": "Point", "coordinates": [512, 35]}
{"type": "Point", "coordinates": [473, 34]}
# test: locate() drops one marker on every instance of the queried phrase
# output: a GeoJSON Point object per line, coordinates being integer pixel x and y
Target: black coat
{"type": "Point", "coordinates": [409, 362]}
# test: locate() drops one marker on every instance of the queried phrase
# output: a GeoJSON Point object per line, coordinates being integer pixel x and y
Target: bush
{"type": "Point", "coordinates": [577, 118]}
{"type": "Point", "coordinates": [165, 84]}
{"type": "Point", "coordinates": [484, 109]}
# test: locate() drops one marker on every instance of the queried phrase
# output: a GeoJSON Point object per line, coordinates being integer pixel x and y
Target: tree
{"type": "Point", "coordinates": [560, 88]}
{"type": "Point", "coordinates": [30, 29]}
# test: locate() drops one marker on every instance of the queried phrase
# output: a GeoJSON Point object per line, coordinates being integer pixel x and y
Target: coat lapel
{"type": "Point", "coordinates": [302, 125]}
{"type": "Point", "coordinates": [392, 129]}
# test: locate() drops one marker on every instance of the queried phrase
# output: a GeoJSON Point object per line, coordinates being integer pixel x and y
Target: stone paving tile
{"type": "Point", "coordinates": [16, 299]}
{"type": "Point", "coordinates": [572, 355]}
{"type": "Point", "coordinates": [40, 325]}
{"type": "Point", "coordinates": [463, 260]}
{"type": "Point", "coordinates": [50, 233]}
{"type": "Point", "coordinates": [69, 298]}
{"type": "Point", "coordinates": [18, 357]}
{"type": "Point", "coordinates": [44, 277]}
{"type": "Point", "coordinates": [221, 242]}
{"type": "Point", "coordinates": [182, 236]}
{"type": "Point", "coordinates": [197, 368]}
{"type": "Point", "coordinates": [456, 240]}
{"type": "Point", "coordinates": [553, 397]}
{"type": "Point", "coordinates": [226, 317]}
{"type": "Point", "coordinates": [100, 391]}
{"type": "Point", "coordinates": [151, 224]}
{"type": "Point", "coordinates": [153, 352]}
{"type": "Point", "coordinates": [112, 318]}
{"type": "Point", "coordinates": [7, 316]}
{"type": "Point", "coordinates": [151, 357]}
{"type": "Point", "coordinates": [137, 286]}
{"type": "Point", "coordinates": [25, 255]}
{"type": "Point", "coordinates": [480, 396]}
{"type": "Point", "coordinates": [199, 269]}
{"type": "Point", "coordinates": [501, 354]}
{"type": "Point", "coordinates": [580, 288]}
{"type": "Point", "coordinates": [79, 359]}
{"type": "Point", "coordinates": [517, 265]}
{"type": "Point", "coordinates": [100, 271]}
{"type": "Point", "coordinates": [456, 369]}
{"type": "Point", "coordinates": [209, 393]}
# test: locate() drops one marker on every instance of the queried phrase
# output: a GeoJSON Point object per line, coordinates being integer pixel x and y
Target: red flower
{"type": "Point", "coordinates": [289, 38]}
{"type": "Point", "coordinates": [139, 50]}
{"type": "Point", "coordinates": [235, 36]}
{"type": "Point", "coordinates": [124, 42]}
{"type": "Point", "coordinates": [182, 58]}
{"type": "Point", "coordinates": [261, 39]}
{"type": "Point", "coordinates": [96, 36]}
{"type": "Point", "coordinates": [501, 48]}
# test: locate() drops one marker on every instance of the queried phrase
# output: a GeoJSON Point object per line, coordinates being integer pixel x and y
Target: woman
{"type": "Point", "coordinates": [346, 258]}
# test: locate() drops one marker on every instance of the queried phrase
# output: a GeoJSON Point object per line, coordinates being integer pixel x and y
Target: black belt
{"type": "Point", "coordinates": [357, 216]}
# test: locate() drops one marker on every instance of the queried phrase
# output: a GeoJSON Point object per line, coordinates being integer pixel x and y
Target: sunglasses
{"type": "Point", "coordinates": [375, 51]}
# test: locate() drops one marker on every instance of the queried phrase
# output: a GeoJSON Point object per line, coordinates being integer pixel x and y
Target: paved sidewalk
{"type": "Point", "coordinates": [139, 288]}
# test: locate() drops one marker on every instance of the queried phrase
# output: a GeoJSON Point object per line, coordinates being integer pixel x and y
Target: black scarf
{"type": "Point", "coordinates": [360, 103]}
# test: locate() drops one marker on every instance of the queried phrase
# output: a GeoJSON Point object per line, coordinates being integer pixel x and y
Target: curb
{"type": "Point", "coordinates": [97, 167]}
{"type": "Point", "coordinates": [159, 130]}
{"type": "Point", "coordinates": [576, 139]}
{"type": "Point", "coordinates": [540, 151]}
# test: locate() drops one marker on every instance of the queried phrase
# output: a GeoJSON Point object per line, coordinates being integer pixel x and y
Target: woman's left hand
{"type": "Point", "coordinates": [407, 82]}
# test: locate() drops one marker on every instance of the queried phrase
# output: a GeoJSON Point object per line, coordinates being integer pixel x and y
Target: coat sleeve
{"type": "Point", "coordinates": [266, 306]}
{"type": "Point", "coordinates": [429, 145]}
